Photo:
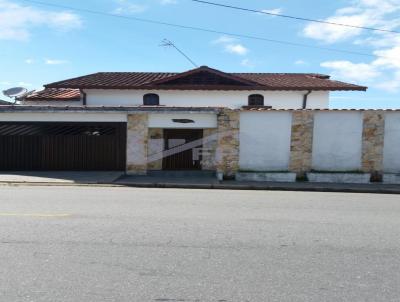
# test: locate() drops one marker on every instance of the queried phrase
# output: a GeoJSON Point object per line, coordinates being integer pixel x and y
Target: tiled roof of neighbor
{"type": "Point", "coordinates": [56, 94]}
{"type": "Point", "coordinates": [205, 78]}
{"type": "Point", "coordinates": [5, 103]}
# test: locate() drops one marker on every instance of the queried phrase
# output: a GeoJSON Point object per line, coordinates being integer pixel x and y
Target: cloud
{"type": "Point", "coordinates": [5, 83]}
{"type": "Point", "coordinates": [55, 62]}
{"type": "Point", "coordinates": [29, 61]}
{"type": "Point", "coordinates": [332, 33]}
{"type": "Point", "coordinates": [231, 45]}
{"type": "Point", "coordinates": [237, 49]}
{"type": "Point", "coordinates": [24, 84]}
{"type": "Point", "coordinates": [275, 11]}
{"type": "Point", "coordinates": [300, 62]}
{"type": "Point", "coordinates": [388, 58]}
{"type": "Point", "coordinates": [17, 21]}
{"type": "Point", "coordinates": [224, 39]}
{"type": "Point", "coordinates": [382, 72]}
{"type": "Point", "coordinates": [364, 13]}
{"type": "Point", "coordinates": [126, 7]}
{"type": "Point", "coordinates": [347, 70]}
{"type": "Point", "coordinates": [392, 85]}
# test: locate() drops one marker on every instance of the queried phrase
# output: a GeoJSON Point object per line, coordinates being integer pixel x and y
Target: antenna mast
{"type": "Point", "coordinates": [168, 43]}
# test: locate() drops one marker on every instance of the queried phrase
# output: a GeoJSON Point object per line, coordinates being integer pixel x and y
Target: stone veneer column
{"type": "Point", "coordinates": [372, 142]}
{"type": "Point", "coordinates": [137, 139]}
{"type": "Point", "coordinates": [155, 146]}
{"type": "Point", "coordinates": [227, 153]}
{"type": "Point", "coordinates": [301, 142]}
{"type": "Point", "coordinates": [210, 146]}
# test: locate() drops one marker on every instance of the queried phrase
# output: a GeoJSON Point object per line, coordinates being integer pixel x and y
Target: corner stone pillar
{"type": "Point", "coordinates": [137, 141]}
{"type": "Point", "coordinates": [301, 142]}
{"type": "Point", "coordinates": [227, 153]}
{"type": "Point", "coordinates": [372, 142]}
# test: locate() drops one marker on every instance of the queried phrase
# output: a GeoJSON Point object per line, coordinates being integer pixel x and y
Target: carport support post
{"type": "Point", "coordinates": [227, 153]}
{"type": "Point", "coordinates": [372, 143]}
{"type": "Point", "coordinates": [301, 142]}
{"type": "Point", "coordinates": [137, 144]}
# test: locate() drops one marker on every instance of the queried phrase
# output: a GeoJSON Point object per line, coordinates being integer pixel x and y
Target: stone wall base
{"type": "Point", "coordinates": [359, 178]}
{"type": "Point", "coordinates": [136, 170]}
{"type": "Point", "coordinates": [266, 176]}
{"type": "Point", "coordinates": [389, 178]}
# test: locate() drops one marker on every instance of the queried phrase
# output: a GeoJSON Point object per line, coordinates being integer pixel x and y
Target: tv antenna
{"type": "Point", "coordinates": [16, 93]}
{"type": "Point", "coordinates": [168, 43]}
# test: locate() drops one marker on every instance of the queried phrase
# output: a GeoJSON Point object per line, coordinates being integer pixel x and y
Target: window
{"type": "Point", "coordinates": [256, 100]}
{"type": "Point", "coordinates": [151, 99]}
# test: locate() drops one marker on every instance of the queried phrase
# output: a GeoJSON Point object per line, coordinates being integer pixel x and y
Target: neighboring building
{"type": "Point", "coordinates": [54, 97]}
{"type": "Point", "coordinates": [4, 103]}
{"type": "Point", "coordinates": [141, 121]}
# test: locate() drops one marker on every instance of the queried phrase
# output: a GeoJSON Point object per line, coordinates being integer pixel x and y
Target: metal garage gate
{"type": "Point", "coordinates": [42, 146]}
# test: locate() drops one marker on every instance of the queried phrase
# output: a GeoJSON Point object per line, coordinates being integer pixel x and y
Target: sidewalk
{"type": "Point", "coordinates": [59, 177]}
{"type": "Point", "coordinates": [212, 183]}
{"type": "Point", "coordinates": [184, 182]}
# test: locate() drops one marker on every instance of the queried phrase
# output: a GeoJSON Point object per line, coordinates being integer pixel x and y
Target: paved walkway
{"type": "Point", "coordinates": [67, 177]}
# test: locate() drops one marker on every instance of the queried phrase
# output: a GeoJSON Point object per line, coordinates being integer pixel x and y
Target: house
{"type": "Point", "coordinates": [201, 119]}
{"type": "Point", "coordinates": [200, 87]}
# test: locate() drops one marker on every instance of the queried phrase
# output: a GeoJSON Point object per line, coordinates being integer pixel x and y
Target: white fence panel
{"type": "Point", "coordinates": [265, 141]}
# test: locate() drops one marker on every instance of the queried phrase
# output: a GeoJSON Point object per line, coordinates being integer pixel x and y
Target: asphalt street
{"type": "Point", "coordinates": [169, 245]}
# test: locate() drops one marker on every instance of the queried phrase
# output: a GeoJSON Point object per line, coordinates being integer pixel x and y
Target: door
{"type": "Point", "coordinates": [180, 154]}
{"type": "Point", "coordinates": [42, 146]}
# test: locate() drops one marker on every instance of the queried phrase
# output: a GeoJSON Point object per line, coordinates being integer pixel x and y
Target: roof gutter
{"type": "Point", "coordinates": [83, 97]}
{"type": "Point", "coordinates": [305, 97]}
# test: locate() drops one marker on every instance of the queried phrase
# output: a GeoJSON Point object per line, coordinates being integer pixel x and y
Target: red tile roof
{"type": "Point", "coordinates": [5, 103]}
{"type": "Point", "coordinates": [55, 94]}
{"type": "Point", "coordinates": [218, 81]}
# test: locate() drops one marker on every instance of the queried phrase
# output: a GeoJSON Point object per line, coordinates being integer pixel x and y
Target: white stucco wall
{"type": "Point", "coordinates": [232, 99]}
{"type": "Point", "coordinates": [337, 141]}
{"type": "Point", "coordinates": [165, 120]}
{"type": "Point", "coordinates": [391, 150]}
{"type": "Point", "coordinates": [265, 141]}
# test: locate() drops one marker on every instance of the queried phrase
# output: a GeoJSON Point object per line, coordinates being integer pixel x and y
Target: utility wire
{"type": "Point", "coordinates": [168, 43]}
{"type": "Point", "coordinates": [188, 27]}
{"type": "Point", "coordinates": [294, 17]}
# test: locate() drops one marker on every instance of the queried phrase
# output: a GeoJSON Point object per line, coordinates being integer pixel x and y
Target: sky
{"type": "Point", "coordinates": [41, 44]}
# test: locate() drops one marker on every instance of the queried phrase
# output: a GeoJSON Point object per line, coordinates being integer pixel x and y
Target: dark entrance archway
{"type": "Point", "coordinates": [183, 144]}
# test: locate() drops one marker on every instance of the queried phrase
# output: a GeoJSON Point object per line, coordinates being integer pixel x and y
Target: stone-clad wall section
{"type": "Point", "coordinates": [209, 148]}
{"type": "Point", "coordinates": [222, 153]}
{"type": "Point", "coordinates": [227, 153]}
{"type": "Point", "coordinates": [137, 144]}
{"type": "Point", "coordinates": [155, 148]}
{"type": "Point", "coordinates": [373, 141]}
{"type": "Point", "coordinates": [301, 142]}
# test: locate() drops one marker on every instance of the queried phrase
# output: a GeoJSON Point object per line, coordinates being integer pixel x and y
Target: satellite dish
{"type": "Point", "coordinates": [15, 92]}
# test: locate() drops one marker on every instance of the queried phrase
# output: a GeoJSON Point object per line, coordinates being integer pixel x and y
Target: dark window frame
{"type": "Point", "coordinates": [151, 99]}
{"type": "Point", "coordinates": [256, 100]}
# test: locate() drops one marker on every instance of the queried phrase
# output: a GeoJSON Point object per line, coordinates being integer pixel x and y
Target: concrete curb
{"type": "Point", "coordinates": [267, 187]}
{"type": "Point", "coordinates": [307, 187]}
